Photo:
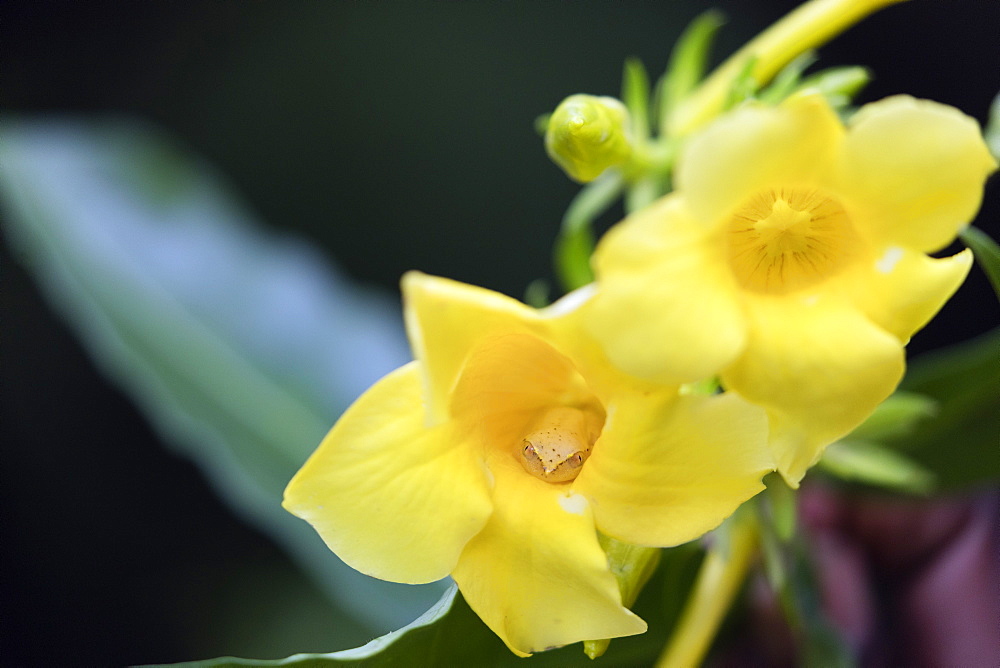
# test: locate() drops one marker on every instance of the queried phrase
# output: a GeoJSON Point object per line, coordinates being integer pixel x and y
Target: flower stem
{"type": "Point", "coordinates": [807, 27]}
{"type": "Point", "coordinates": [718, 581]}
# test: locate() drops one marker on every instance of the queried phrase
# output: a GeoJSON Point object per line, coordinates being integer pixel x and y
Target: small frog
{"type": "Point", "coordinates": [558, 443]}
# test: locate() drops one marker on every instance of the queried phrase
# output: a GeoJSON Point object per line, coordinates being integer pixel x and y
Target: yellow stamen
{"type": "Point", "coordinates": [786, 239]}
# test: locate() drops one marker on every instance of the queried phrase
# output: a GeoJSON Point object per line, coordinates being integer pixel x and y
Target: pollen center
{"type": "Point", "coordinates": [785, 239]}
{"type": "Point", "coordinates": [558, 442]}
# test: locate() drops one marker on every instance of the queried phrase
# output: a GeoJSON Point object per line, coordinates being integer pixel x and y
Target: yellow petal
{"type": "Point", "coordinates": [666, 306]}
{"type": "Point", "coordinates": [507, 382]}
{"type": "Point", "coordinates": [755, 148]}
{"type": "Point", "coordinates": [914, 171]}
{"type": "Point", "coordinates": [819, 367]}
{"type": "Point", "coordinates": [667, 470]}
{"type": "Point", "coordinates": [903, 289]}
{"type": "Point", "coordinates": [536, 573]}
{"type": "Point", "coordinates": [392, 498]}
{"type": "Point", "coordinates": [446, 319]}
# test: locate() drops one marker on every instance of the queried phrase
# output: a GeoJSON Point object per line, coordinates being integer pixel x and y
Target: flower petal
{"type": "Point", "coordinates": [507, 381]}
{"type": "Point", "coordinates": [668, 469]}
{"type": "Point", "coordinates": [914, 170]}
{"type": "Point", "coordinates": [392, 498]}
{"type": "Point", "coordinates": [819, 367]}
{"type": "Point", "coordinates": [536, 573]}
{"type": "Point", "coordinates": [903, 289]}
{"type": "Point", "coordinates": [666, 305]}
{"type": "Point", "coordinates": [753, 148]}
{"type": "Point", "coordinates": [445, 319]}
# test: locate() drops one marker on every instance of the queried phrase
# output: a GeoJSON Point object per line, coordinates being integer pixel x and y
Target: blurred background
{"type": "Point", "coordinates": [391, 136]}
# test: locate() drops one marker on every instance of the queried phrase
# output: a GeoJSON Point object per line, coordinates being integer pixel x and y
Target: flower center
{"type": "Point", "coordinates": [558, 442]}
{"type": "Point", "coordinates": [786, 239]}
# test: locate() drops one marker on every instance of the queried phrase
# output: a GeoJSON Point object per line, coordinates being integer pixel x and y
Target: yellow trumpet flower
{"type": "Point", "coordinates": [501, 452]}
{"type": "Point", "coordinates": [792, 259]}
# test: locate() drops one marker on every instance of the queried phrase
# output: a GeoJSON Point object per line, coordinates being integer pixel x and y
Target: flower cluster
{"type": "Point", "coordinates": [785, 272]}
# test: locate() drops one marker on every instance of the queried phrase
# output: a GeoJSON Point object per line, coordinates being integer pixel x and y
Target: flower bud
{"type": "Point", "coordinates": [587, 135]}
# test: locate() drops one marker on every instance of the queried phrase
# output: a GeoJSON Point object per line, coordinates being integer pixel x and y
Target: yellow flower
{"type": "Point", "coordinates": [501, 451]}
{"type": "Point", "coordinates": [791, 260]}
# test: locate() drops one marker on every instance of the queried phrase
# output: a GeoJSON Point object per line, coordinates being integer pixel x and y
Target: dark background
{"type": "Point", "coordinates": [395, 136]}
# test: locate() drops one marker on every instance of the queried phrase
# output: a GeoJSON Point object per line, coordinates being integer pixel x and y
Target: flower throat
{"type": "Point", "coordinates": [786, 239]}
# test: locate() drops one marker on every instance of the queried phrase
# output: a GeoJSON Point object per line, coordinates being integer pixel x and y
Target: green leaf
{"type": "Point", "coordinates": [992, 131]}
{"type": "Point", "coordinates": [899, 415]}
{"type": "Point", "coordinates": [447, 632]}
{"type": "Point", "coordinates": [687, 62]}
{"type": "Point", "coordinates": [635, 95]}
{"type": "Point", "coordinates": [450, 633]}
{"type": "Point", "coordinates": [959, 444]}
{"type": "Point", "coordinates": [871, 464]}
{"type": "Point", "coordinates": [987, 254]}
{"type": "Point", "coordinates": [792, 576]}
{"type": "Point", "coordinates": [838, 84]}
{"type": "Point", "coordinates": [788, 79]}
{"type": "Point", "coordinates": [240, 346]}
{"type": "Point", "coordinates": [743, 86]}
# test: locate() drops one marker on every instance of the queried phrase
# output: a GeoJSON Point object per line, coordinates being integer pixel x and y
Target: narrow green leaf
{"type": "Point", "coordinates": [992, 130]}
{"type": "Point", "coordinates": [744, 85]}
{"type": "Point", "coordinates": [687, 62]}
{"type": "Point", "coordinates": [871, 464]}
{"type": "Point", "coordinates": [788, 79]}
{"type": "Point", "coordinates": [635, 95]}
{"type": "Point", "coordinates": [575, 243]}
{"type": "Point", "coordinates": [899, 415]}
{"type": "Point", "coordinates": [838, 84]}
{"type": "Point", "coordinates": [987, 254]}
{"type": "Point", "coordinates": [241, 347]}
{"type": "Point", "coordinates": [820, 642]}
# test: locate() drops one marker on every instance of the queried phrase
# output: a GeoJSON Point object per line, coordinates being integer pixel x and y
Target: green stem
{"type": "Point", "coordinates": [719, 580]}
{"type": "Point", "coordinates": [575, 243]}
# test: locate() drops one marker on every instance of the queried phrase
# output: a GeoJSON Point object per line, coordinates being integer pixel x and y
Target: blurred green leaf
{"type": "Point", "coordinates": [987, 254]}
{"type": "Point", "coordinates": [240, 346]}
{"type": "Point", "coordinates": [450, 633]}
{"type": "Point", "coordinates": [873, 464]}
{"type": "Point", "coordinates": [992, 130]}
{"type": "Point", "coordinates": [687, 63]}
{"type": "Point", "coordinates": [744, 85]}
{"type": "Point", "coordinates": [635, 95]}
{"type": "Point", "coordinates": [447, 634]}
{"type": "Point", "coordinates": [839, 85]}
{"type": "Point", "coordinates": [792, 575]}
{"type": "Point", "coordinates": [961, 443]}
{"type": "Point", "coordinates": [788, 79]}
{"type": "Point", "coordinates": [898, 415]}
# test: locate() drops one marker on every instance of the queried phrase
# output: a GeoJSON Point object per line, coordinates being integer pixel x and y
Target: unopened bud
{"type": "Point", "coordinates": [587, 135]}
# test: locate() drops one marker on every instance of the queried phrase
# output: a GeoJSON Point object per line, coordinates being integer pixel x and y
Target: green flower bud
{"type": "Point", "coordinates": [588, 134]}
